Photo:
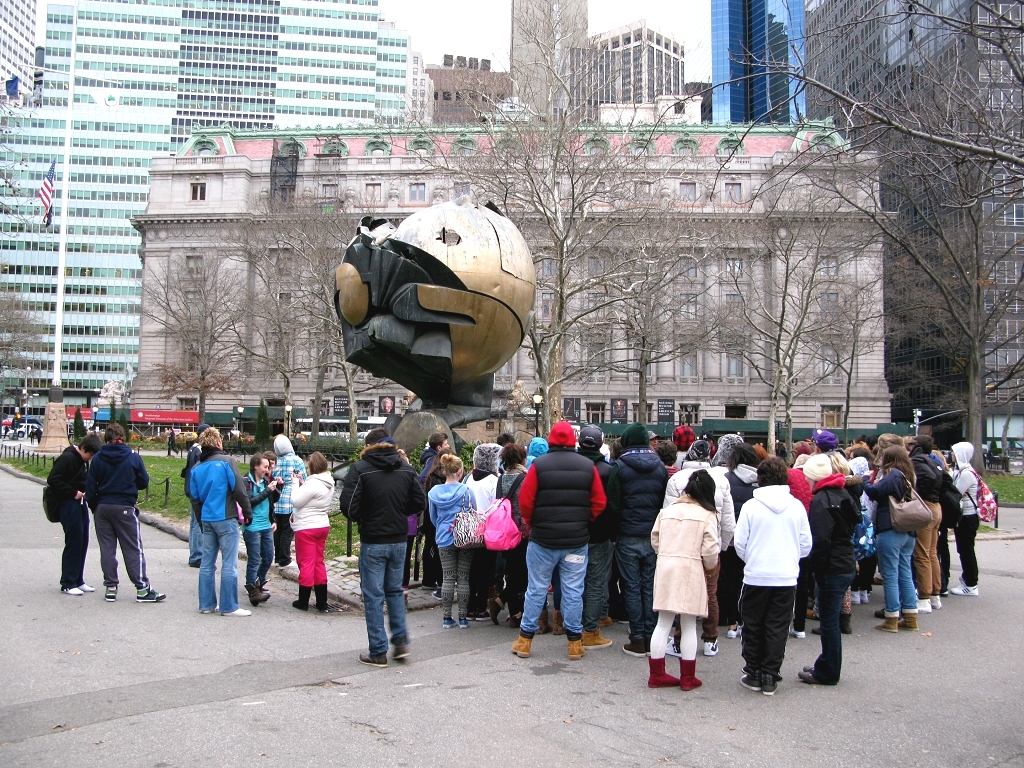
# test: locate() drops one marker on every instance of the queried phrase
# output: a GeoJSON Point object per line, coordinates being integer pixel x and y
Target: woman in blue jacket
{"type": "Point", "coordinates": [445, 501]}
{"type": "Point", "coordinates": [895, 476]}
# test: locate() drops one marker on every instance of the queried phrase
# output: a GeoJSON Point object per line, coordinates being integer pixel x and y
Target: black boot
{"type": "Point", "coordinates": [303, 602]}
{"type": "Point", "coordinates": [321, 599]}
{"type": "Point", "coordinates": [844, 623]}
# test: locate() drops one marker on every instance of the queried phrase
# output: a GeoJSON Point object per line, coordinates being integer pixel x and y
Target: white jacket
{"type": "Point", "coordinates": [311, 501]}
{"type": "Point", "coordinates": [965, 478]}
{"type": "Point", "coordinates": [723, 496]}
{"type": "Point", "coordinates": [772, 535]}
{"type": "Point", "coordinates": [484, 491]}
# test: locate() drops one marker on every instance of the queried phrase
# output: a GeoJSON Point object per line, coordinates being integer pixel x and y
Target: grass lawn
{"type": "Point", "coordinates": [160, 468]}
{"type": "Point", "coordinates": [1009, 487]}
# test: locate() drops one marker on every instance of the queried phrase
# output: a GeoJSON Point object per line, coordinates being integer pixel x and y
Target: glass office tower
{"type": "Point", "coordinates": [144, 73]}
{"type": "Point", "coordinates": [755, 44]}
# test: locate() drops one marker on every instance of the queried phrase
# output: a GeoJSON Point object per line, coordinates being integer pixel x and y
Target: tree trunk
{"type": "Point", "coordinates": [642, 389]}
{"type": "Point", "coordinates": [552, 392]}
{"type": "Point", "coordinates": [849, 388]}
{"type": "Point", "coordinates": [1006, 425]}
{"type": "Point", "coordinates": [202, 406]}
{"type": "Point", "coordinates": [318, 394]}
{"type": "Point", "coordinates": [773, 414]}
{"type": "Point", "coordinates": [975, 407]}
{"type": "Point", "coordinates": [350, 390]}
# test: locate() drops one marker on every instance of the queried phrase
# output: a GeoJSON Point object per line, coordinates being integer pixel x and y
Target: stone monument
{"type": "Point", "coordinates": [55, 424]}
{"type": "Point", "coordinates": [438, 305]}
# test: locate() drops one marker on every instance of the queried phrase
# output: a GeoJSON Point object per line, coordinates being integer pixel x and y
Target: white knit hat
{"type": "Point", "coordinates": [817, 468]}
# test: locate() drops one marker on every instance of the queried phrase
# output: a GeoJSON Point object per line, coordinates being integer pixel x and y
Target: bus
{"type": "Point", "coordinates": [336, 428]}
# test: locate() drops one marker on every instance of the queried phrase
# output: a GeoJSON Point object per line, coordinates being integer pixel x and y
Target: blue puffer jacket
{"type": "Point", "coordinates": [642, 481]}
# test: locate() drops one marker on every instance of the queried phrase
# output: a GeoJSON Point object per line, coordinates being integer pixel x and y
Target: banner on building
{"type": "Point", "coordinates": [340, 405]}
{"type": "Point", "coordinates": [385, 405]}
{"type": "Point", "coordinates": [666, 411]}
{"type": "Point", "coordinates": [571, 407]}
{"type": "Point", "coordinates": [620, 410]}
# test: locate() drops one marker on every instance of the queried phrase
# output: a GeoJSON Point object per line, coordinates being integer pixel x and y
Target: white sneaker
{"type": "Point", "coordinates": [936, 602]}
{"type": "Point", "coordinates": [965, 591]}
{"type": "Point", "coordinates": [924, 606]}
{"type": "Point", "coordinates": [86, 588]}
{"type": "Point", "coordinates": [239, 612]}
{"type": "Point", "coordinates": [732, 634]}
{"type": "Point", "coordinates": [711, 649]}
{"type": "Point", "coordinates": [672, 649]}
{"type": "Point", "coordinates": [855, 598]}
{"type": "Point", "coordinates": [797, 635]}
{"type": "Point", "coordinates": [865, 597]}
{"type": "Point", "coordinates": [72, 591]}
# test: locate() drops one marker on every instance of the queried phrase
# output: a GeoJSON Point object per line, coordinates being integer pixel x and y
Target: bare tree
{"type": "Point", "coordinates": [19, 334]}
{"type": "Point", "coordinates": [195, 302]}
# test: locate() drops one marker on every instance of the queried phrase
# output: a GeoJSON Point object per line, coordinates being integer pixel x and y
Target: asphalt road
{"type": "Point", "coordinates": [87, 683]}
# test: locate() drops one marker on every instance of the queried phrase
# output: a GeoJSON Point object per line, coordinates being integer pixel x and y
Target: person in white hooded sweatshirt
{"type": "Point", "coordinates": [966, 480]}
{"type": "Point", "coordinates": [771, 537]}
{"type": "Point", "coordinates": [699, 457]}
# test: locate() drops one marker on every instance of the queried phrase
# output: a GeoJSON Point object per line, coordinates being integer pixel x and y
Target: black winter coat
{"type": "Point", "coordinates": [561, 504]}
{"type": "Point", "coordinates": [380, 492]}
{"type": "Point", "coordinates": [928, 475]}
{"type": "Point", "coordinates": [606, 526]}
{"type": "Point", "coordinates": [642, 479]}
{"type": "Point", "coordinates": [833, 517]}
{"type": "Point", "coordinates": [67, 476]}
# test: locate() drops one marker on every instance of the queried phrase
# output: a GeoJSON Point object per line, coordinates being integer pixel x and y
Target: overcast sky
{"type": "Point", "coordinates": [481, 27]}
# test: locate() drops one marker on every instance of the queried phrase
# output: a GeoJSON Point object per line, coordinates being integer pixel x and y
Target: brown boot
{"type": "Point", "coordinates": [576, 651]}
{"type": "Point", "coordinates": [256, 596]}
{"type": "Point", "coordinates": [543, 627]}
{"type": "Point", "coordinates": [559, 628]}
{"type": "Point", "coordinates": [595, 639]}
{"type": "Point", "coordinates": [658, 677]}
{"type": "Point", "coordinates": [605, 621]}
{"type": "Point", "coordinates": [521, 647]}
{"type": "Point", "coordinates": [635, 647]}
{"type": "Point", "coordinates": [892, 622]}
{"type": "Point", "coordinates": [909, 621]}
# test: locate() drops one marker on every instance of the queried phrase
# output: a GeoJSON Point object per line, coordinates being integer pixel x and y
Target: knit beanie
{"type": "Point", "coordinates": [818, 467]}
{"type": "Point", "coordinates": [825, 440]}
{"type": "Point", "coordinates": [725, 445]}
{"type": "Point", "coordinates": [635, 435]}
{"type": "Point", "coordinates": [699, 451]}
{"type": "Point", "coordinates": [562, 435]}
{"type": "Point", "coordinates": [486, 456]}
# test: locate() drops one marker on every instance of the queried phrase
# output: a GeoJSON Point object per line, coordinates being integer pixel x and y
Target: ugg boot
{"type": "Point", "coordinates": [595, 639]}
{"type": "Point", "coordinates": [909, 620]}
{"type": "Point", "coordinates": [845, 625]}
{"type": "Point", "coordinates": [543, 627]}
{"type": "Point", "coordinates": [576, 651]}
{"type": "Point", "coordinates": [892, 622]}
{"type": "Point", "coordinates": [687, 677]}
{"type": "Point", "coordinates": [256, 596]}
{"type": "Point", "coordinates": [559, 628]}
{"type": "Point", "coordinates": [521, 647]}
{"type": "Point", "coordinates": [303, 602]}
{"type": "Point", "coordinates": [658, 677]}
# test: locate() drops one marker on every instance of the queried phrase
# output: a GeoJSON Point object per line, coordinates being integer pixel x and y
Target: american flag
{"type": "Point", "coordinates": [46, 194]}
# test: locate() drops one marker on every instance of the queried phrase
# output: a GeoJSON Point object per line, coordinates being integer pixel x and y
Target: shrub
{"type": "Point", "coordinates": [79, 427]}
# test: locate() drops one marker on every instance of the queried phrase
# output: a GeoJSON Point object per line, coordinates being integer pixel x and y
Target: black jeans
{"type": "Point", "coordinates": [804, 588]}
{"type": "Point", "coordinates": [966, 532]}
{"type": "Point", "coordinates": [831, 588]}
{"type": "Point", "coordinates": [74, 519]}
{"type": "Point", "coordinates": [730, 581]}
{"type": "Point", "coordinates": [516, 579]}
{"type": "Point", "coordinates": [864, 580]}
{"type": "Point", "coordinates": [766, 613]}
{"type": "Point", "coordinates": [481, 579]}
{"type": "Point", "coordinates": [432, 572]}
{"type": "Point", "coordinates": [283, 539]}
{"type": "Point", "coordinates": [943, 548]}
{"type": "Point", "coordinates": [410, 546]}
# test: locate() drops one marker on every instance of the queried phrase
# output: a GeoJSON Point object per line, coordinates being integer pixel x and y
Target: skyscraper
{"type": "Point", "coordinates": [17, 40]}
{"type": "Point", "coordinates": [755, 44]}
{"type": "Point", "coordinates": [544, 34]}
{"type": "Point", "coordinates": [144, 74]}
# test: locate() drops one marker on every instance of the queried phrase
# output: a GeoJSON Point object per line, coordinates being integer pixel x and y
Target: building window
{"type": "Point", "coordinates": [832, 416]}
{"type": "Point", "coordinates": [689, 268]}
{"type": "Point", "coordinates": [689, 413]}
{"type": "Point", "coordinates": [199, 191]}
{"type": "Point", "coordinates": [193, 263]}
{"type": "Point", "coordinates": [373, 192]}
{"type": "Point", "coordinates": [688, 367]}
{"type": "Point", "coordinates": [830, 306]}
{"type": "Point", "coordinates": [734, 267]}
{"type": "Point", "coordinates": [187, 404]}
{"type": "Point", "coordinates": [734, 305]}
{"type": "Point", "coordinates": [417, 193]}
{"type": "Point", "coordinates": [829, 362]}
{"type": "Point", "coordinates": [735, 411]}
{"type": "Point", "coordinates": [364, 409]}
{"type": "Point", "coordinates": [688, 191]}
{"type": "Point", "coordinates": [648, 417]}
{"type": "Point", "coordinates": [595, 413]}
{"type": "Point", "coordinates": [829, 266]}
{"type": "Point", "coordinates": [688, 306]}
{"type": "Point", "coordinates": [734, 193]}
{"type": "Point", "coordinates": [546, 300]}
{"type": "Point", "coordinates": [734, 368]}
{"type": "Point", "coordinates": [330, 190]}
{"type": "Point", "coordinates": [461, 190]}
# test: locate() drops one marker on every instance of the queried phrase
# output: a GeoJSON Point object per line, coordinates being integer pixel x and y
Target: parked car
{"type": "Point", "coordinates": [29, 426]}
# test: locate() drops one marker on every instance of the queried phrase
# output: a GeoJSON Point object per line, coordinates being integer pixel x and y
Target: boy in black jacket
{"type": "Point", "coordinates": [67, 486]}
{"type": "Point", "coordinates": [380, 492]}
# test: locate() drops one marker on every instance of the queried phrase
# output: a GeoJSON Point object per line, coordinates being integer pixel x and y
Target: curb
{"type": "Point", "coordinates": [289, 573]}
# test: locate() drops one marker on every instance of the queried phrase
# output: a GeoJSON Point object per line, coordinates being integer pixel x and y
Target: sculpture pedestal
{"type": "Point", "coordinates": [55, 430]}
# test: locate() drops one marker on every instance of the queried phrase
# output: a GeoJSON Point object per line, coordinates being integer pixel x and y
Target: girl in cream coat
{"type": "Point", "coordinates": [686, 540]}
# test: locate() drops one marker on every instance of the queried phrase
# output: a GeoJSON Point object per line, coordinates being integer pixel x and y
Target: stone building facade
{"type": "Point", "coordinates": [703, 174]}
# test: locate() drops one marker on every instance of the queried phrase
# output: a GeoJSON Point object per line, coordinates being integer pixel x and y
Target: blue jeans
{"type": "Point", "coordinates": [195, 533]}
{"type": "Point", "coordinates": [595, 594]}
{"type": "Point", "coordinates": [894, 553]}
{"type": "Point", "coordinates": [831, 588]}
{"type": "Point", "coordinates": [259, 554]}
{"type": "Point", "coordinates": [221, 536]}
{"type": "Point", "coordinates": [380, 578]}
{"type": "Point", "coordinates": [637, 560]}
{"type": "Point", "coordinates": [571, 564]}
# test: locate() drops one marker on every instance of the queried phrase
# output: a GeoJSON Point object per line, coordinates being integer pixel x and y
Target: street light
{"type": "Point", "coordinates": [288, 420]}
{"type": "Point", "coordinates": [538, 398]}
{"type": "Point", "coordinates": [238, 425]}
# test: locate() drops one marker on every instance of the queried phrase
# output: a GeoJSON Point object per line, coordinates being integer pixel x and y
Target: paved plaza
{"type": "Point", "coordinates": [87, 683]}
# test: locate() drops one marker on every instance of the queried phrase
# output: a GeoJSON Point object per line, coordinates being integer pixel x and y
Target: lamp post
{"type": "Point", "coordinates": [288, 420]}
{"type": "Point", "coordinates": [538, 399]}
{"type": "Point", "coordinates": [238, 426]}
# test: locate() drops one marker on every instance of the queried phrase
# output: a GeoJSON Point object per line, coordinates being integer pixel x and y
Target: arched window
{"type": "Point", "coordinates": [685, 145]}
{"type": "Point", "coordinates": [378, 148]}
{"type": "Point", "coordinates": [730, 144]}
{"type": "Point", "coordinates": [291, 147]}
{"type": "Point", "coordinates": [205, 148]}
{"type": "Point", "coordinates": [334, 147]}
{"type": "Point", "coordinates": [421, 145]}
{"type": "Point", "coordinates": [464, 145]}
{"type": "Point", "coordinates": [598, 145]}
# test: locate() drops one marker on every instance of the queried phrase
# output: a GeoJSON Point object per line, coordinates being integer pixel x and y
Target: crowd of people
{"type": "Point", "coordinates": [674, 538]}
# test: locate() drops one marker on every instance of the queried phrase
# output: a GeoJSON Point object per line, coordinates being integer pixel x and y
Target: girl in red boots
{"type": "Point", "coordinates": [685, 538]}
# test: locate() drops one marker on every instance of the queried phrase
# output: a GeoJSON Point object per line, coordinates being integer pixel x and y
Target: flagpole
{"type": "Point", "coordinates": [65, 199]}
